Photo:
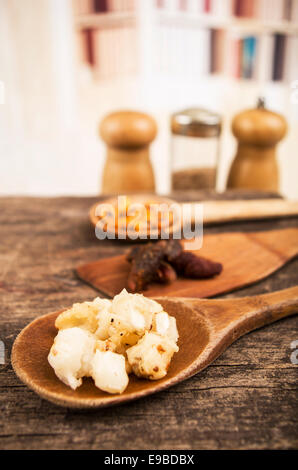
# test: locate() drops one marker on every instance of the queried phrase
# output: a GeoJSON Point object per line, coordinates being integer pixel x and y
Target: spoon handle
{"type": "Point", "coordinates": [228, 211]}
{"type": "Point", "coordinates": [276, 305]}
{"type": "Point", "coordinates": [239, 316]}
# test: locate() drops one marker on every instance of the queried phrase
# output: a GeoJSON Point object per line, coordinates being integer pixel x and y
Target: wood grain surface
{"type": "Point", "coordinates": [246, 258]}
{"type": "Point", "coordinates": [247, 399]}
{"type": "Point", "coordinates": [207, 327]}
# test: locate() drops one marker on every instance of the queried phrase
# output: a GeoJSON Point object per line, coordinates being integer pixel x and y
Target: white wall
{"type": "Point", "coordinates": [39, 115]}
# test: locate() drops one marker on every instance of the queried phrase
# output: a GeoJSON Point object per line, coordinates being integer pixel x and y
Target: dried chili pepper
{"type": "Point", "coordinates": [188, 264]}
{"type": "Point", "coordinates": [162, 261]}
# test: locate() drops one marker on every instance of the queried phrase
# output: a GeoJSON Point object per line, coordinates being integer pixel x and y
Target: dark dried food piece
{"type": "Point", "coordinates": [187, 264]}
{"type": "Point", "coordinates": [160, 261]}
{"type": "Point", "coordinates": [148, 264]}
{"type": "Point", "coordinates": [166, 273]}
{"type": "Point", "coordinates": [133, 253]}
{"type": "Point", "coordinates": [145, 263]}
{"type": "Point", "coordinates": [171, 248]}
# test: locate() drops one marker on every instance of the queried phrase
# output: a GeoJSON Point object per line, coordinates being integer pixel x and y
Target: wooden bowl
{"type": "Point", "coordinates": [135, 198]}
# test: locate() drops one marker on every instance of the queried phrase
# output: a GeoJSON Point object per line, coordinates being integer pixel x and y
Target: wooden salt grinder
{"type": "Point", "coordinates": [255, 166]}
{"type": "Point", "coordinates": [128, 168]}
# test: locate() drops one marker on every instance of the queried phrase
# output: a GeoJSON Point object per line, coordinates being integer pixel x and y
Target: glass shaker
{"type": "Point", "coordinates": [195, 149]}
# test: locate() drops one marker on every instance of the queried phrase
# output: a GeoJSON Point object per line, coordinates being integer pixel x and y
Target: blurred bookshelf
{"type": "Point", "coordinates": [162, 55]}
{"type": "Point", "coordinates": [244, 39]}
{"type": "Point", "coordinates": [96, 56]}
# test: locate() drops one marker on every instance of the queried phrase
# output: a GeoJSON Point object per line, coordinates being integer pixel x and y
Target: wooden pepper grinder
{"type": "Point", "coordinates": [255, 166]}
{"type": "Point", "coordinates": [128, 168]}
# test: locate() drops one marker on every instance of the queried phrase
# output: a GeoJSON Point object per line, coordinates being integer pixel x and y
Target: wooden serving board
{"type": "Point", "coordinates": [246, 258]}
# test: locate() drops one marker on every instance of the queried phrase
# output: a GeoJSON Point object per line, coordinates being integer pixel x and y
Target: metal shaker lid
{"type": "Point", "coordinates": [196, 122]}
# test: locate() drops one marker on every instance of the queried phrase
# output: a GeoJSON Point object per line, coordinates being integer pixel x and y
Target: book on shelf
{"type": "Point", "coordinates": [278, 57]}
{"type": "Point", "coordinates": [234, 57]}
{"type": "Point", "coordinates": [241, 56]}
{"type": "Point", "coordinates": [294, 11]}
{"type": "Point", "coordinates": [100, 6]}
{"type": "Point", "coordinates": [207, 6]}
{"type": "Point", "coordinates": [248, 57]}
{"type": "Point", "coordinates": [291, 61]}
{"type": "Point", "coordinates": [85, 46]}
{"type": "Point", "coordinates": [245, 8]}
{"type": "Point", "coordinates": [217, 50]}
{"type": "Point", "coordinates": [103, 66]}
{"type": "Point", "coordinates": [264, 58]}
{"type": "Point", "coordinates": [287, 10]}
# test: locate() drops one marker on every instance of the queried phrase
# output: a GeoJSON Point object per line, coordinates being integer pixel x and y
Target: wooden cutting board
{"type": "Point", "coordinates": [246, 258]}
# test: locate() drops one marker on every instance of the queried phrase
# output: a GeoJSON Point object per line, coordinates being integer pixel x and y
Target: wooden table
{"type": "Point", "coordinates": [247, 399]}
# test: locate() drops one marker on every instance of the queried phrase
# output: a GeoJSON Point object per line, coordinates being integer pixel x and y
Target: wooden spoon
{"type": "Point", "coordinates": [206, 328]}
{"type": "Point", "coordinates": [214, 211]}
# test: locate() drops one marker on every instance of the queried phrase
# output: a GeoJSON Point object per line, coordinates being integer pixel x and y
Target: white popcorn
{"type": "Point", "coordinates": [110, 339]}
{"type": "Point", "coordinates": [172, 331]}
{"type": "Point", "coordinates": [84, 315]}
{"type": "Point", "coordinates": [162, 323]}
{"type": "Point", "coordinates": [71, 354]}
{"type": "Point", "coordinates": [151, 356]}
{"type": "Point", "coordinates": [109, 372]}
{"type": "Point", "coordinates": [165, 325]}
{"type": "Point", "coordinates": [147, 307]}
{"type": "Point", "coordinates": [129, 315]}
{"type": "Point", "coordinates": [104, 321]}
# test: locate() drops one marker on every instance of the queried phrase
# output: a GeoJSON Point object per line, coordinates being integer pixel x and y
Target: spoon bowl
{"type": "Point", "coordinates": [206, 328]}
